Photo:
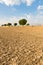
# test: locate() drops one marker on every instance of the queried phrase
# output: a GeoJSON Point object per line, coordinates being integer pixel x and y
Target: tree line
{"type": "Point", "coordinates": [21, 22]}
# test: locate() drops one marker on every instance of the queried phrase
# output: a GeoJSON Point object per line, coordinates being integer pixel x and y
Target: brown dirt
{"type": "Point", "coordinates": [21, 45]}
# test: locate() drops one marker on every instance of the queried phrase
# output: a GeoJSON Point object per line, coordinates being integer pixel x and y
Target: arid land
{"type": "Point", "coordinates": [21, 45]}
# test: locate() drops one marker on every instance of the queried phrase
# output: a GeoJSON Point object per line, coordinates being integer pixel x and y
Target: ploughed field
{"type": "Point", "coordinates": [21, 45]}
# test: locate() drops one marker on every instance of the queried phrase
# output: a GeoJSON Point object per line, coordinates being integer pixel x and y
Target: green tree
{"type": "Point", "coordinates": [22, 21]}
{"type": "Point", "coordinates": [15, 24]}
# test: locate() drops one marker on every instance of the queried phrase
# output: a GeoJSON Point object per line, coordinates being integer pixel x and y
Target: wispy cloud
{"type": "Point", "coordinates": [36, 19]}
{"type": "Point", "coordinates": [40, 7]}
{"type": "Point", "coordinates": [17, 2]}
{"type": "Point", "coordinates": [29, 2]}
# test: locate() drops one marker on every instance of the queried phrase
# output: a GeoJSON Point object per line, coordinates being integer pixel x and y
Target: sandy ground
{"type": "Point", "coordinates": [21, 45]}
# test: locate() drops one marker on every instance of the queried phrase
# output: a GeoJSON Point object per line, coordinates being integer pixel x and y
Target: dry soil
{"type": "Point", "coordinates": [21, 45]}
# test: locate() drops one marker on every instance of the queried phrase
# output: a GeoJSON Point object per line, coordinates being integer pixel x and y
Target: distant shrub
{"type": "Point", "coordinates": [15, 24]}
{"type": "Point", "coordinates": [4, 25]}
{"type": "Point", "coordinates": [9, 24]}
{"type": "Point", "coordinates": [22, 21]}
{"type": "Point", "coordinates": [27, 24]}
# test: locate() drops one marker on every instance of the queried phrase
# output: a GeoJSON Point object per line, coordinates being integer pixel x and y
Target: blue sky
{"type": "Point", "coordinates": [14, 10]}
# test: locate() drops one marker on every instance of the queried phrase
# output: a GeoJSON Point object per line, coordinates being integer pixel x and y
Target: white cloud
{"type": "Point", "coordinates": [10, 2]}
{"type": "Point", "coordinates": [29, 2]}
{"type": "Point", "coordinates": [40, 7]}
{"type": "Point", "coordinates": [17, 2]}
